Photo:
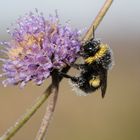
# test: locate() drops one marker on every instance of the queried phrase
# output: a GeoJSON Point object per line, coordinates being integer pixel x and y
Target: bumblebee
{"type": "Point", "coordinates": [97, 61]}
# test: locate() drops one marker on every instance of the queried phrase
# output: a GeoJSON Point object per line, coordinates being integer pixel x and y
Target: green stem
{"type": "Point", "coordinates": [10, 132]}
{"type": "Point", "coordinates": [13, 130]}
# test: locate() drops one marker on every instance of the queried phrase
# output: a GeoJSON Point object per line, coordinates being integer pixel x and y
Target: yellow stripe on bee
{"type": "Point", "coordinates": [98, 55]}
{"type": "Point", "coordinates": [95, 82]}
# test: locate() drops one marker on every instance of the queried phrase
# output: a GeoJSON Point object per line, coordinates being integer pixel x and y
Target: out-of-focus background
{"type": "Point", "coordinates": [117, 116]}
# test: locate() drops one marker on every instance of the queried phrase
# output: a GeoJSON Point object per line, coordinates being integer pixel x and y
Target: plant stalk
{"type": "Point", "coordinates": [13, 130]}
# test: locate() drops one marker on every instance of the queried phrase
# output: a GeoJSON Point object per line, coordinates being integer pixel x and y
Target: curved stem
{"type": "Point", "coordinates": [10, 132]}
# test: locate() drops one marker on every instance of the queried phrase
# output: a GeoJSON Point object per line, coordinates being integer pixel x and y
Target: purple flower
{"type": "Point", "coordinates": [37, 47]}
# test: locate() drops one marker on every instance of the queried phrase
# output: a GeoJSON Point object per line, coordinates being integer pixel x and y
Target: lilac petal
{"type": "Point", "coordinates": [42, 59]}
{"type": "Point", "coordinates": [22, 85]}
{"type": "Point", "coordinates": [44, 44]}
{"type": "Point", "coordinates": [32, 67]}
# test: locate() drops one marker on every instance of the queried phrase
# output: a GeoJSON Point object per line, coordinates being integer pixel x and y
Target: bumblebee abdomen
{"type": "Point", "coordinates": [86, 83]}
{"type": "Point", "coordinates": [95, 82]}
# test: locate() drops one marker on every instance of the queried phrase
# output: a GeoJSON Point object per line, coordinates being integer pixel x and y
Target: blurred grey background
{"type": "Point", "coordinates": [117, 117]}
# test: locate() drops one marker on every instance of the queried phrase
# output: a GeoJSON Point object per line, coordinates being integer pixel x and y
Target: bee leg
{"type": "Point", "coordinates": [78, 66]}
{"type": "Point", "coordinates": [93, 29]}
{"type": "Point", "coordinates": [73, 78]}
{"type": "Point", "coordinates": [64, 75]}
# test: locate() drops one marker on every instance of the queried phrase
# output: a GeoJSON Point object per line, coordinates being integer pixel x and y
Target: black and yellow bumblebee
{"type": "Point", "coordinates": [97, 61]}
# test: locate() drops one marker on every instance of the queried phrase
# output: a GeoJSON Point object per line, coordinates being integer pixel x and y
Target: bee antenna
{"type": "Point", "coordinates": [93, 29]}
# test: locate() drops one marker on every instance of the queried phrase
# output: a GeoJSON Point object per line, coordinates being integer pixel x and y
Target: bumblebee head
{"type": "Point", "coordinates": [90, 48]}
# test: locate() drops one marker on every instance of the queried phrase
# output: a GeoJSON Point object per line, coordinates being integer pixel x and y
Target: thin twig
{"type": "Point", "coordinates": [10, 132]}
{"type": "Point", "coordinates": [48, 115]}
{"type": "Point", "coordinates": [19, 124]}
{"type": "Point", "coordinates": [50, 107]}
{"type": "Point", "coordinates": [97, 20]}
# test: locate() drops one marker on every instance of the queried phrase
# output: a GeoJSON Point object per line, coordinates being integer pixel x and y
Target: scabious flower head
{"type": "Point", "coordinates": [37, 47]}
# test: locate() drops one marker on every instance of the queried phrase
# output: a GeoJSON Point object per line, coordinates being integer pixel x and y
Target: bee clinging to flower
{"type": "Point", "coordinates": [39, 46]}
{"type": "Point", "coordinates": [97, 61]}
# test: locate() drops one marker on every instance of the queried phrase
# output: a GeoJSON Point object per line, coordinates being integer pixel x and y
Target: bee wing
{"type": "Point", "coordinates": [103, 82]}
